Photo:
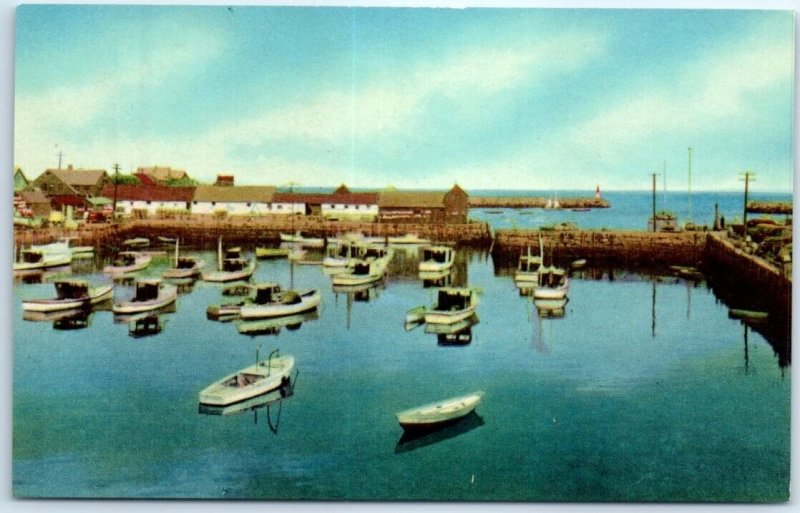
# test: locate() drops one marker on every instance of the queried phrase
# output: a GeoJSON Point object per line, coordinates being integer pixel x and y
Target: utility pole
{"type": "Point", "coordinates": [690, 184]}
{"type": "Point", "coordinates": [747, 176]}
{"type": "Point", "coordinates": [60, 154]}
{"type": "Point", "coordinates": [116, 181]}
{"type": "Point", "coordinates": [655, 221]}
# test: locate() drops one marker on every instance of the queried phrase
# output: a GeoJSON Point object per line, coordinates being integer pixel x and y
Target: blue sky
{"type": "Point", "coordinates": [410, 97]}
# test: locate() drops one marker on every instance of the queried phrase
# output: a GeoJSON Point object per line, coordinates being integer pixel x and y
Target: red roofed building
{"type": "Point", "coordinates": [342, 204]}
{"type": "Point", "coordinates": [150, 198]}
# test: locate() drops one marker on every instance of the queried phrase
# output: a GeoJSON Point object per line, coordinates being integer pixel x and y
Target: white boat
{"type": "Point", "coordinates": [416, 314]}
{"type": "Point", "coordinates": [137, 242]}
{"type": "Point", "coordinates": [359, 272]}
{"type": "Point", "coordinates": [439, 413]}
{"type": "Point", "coordinates": [579, 264]}
{"type": "Point", "coordinates": [342, 252]}
{"type": "Point", "coordinates": [270, 301]}
{"type": "Point", "coordinates": [453, 304]}
{"type": "Point", "coordinates": [77, 251]}
{"type": "Point", "coordinates": [128, 262]}
{"type": "Point", "coordinates": [303, 240]}
{"type": "Point", "coordinates": [254, 403]}
{"type": "Point", "coordinates": [528, 268]}
{"type": "Point", "coordinates": [184, 266]}
{"type": "Point", "coordinates": [70, 294]}
{"type": "Point", "coordinates": [36, 258]}
{"type": "Point", "coordinates": [409, 238]}
{"type": "Point", "coordinates": [265, 253]}
{"type": "Point", "coordinates": [551, 307]}
{"type": "Point", "coordinates": [552, 284]}
{"type": "Point", "coordinates": [149, 294]}
{"type": "Point", "coordinates": [230, 267]}
{"type": "Point", "coordinates": [436, 258]}
{"type": "Point", "coordinates": [259, 378]}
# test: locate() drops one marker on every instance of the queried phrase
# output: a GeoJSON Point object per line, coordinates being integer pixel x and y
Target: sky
{"type": "Point", "coordinates": [514, 98]}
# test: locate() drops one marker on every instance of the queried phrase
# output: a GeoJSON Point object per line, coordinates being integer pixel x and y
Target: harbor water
{"type": "Point", "coordinates": [642, 388]}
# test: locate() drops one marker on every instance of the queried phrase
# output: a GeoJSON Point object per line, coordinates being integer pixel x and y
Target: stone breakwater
{"type": "Point", "coordinates": [769, 207]}
{"type": "Point", "coordinates": [534, 202]}
{"type": "Point", "coordinates": [622, 247]}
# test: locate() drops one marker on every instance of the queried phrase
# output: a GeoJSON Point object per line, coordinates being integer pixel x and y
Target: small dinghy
{"type": "Point", "coordinates": [266, 253]}
{"type": "Point", "coordinates": [303, 240]}
{"type": "Point", "coordinates": [416, 314]}
{"type": "Point", "coordinates": [579, 264]}
{"type": "Point", "coordinates": [260, 378]}
{"type": "Point", "coordinates": [149, 294]}
{"type": "Point", "coordinates": [441, 413]}
{"type": "Point", "coordinates": [183, 266]}
{"type": "Point", "coordinates": [70, 294]}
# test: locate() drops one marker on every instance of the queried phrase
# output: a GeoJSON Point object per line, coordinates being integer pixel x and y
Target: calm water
{"type": "Point", "coordinates": [643, 390]}
{"type": "Point", "coordinates": [629, 210]}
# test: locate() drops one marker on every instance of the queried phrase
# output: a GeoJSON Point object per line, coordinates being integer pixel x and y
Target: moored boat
{"type": "Point", "coordinates": [270, 301]}
{"type": "Point", "coordinates": [453, 304]}
{"type": "Point", "coordinates": [265, 253]}
{"type": "Point", "coordinates": [260, 378]}
{"type": "Point", "coordinates": [528, 268]}
{"type": "Point", "coordinates": [579, 264]}
{"type": "Point", "coordinates": [440, 413]}
{"type": "Point", "coordinates": [409, 238]}
{"type": "Point", "coordinates": [303, 240]}
{"type": "Point", "coordinates": [149, 294]}
{"type": "Point", "coordinates": [128, 262]}
{"type": "Point", "coordinates": [552, 284]}
{"type": "Point", "coordinates": [436, 258]}
{"type": "Point", "coordinates": [70, 294]}
{"type": "Point", "coordinates": [343, 252]}
{"type": "Point", "coordinates": [185, 267]}
{"type": "Point", "coordinates": [136, 242]}
{"type": "Point", "coordinates": [233, 269]}
{"type": "Point", "coordinates": [359, 272]}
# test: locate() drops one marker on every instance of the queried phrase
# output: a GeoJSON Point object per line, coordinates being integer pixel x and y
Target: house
{"type": "Point", "coordinates": [149, 199]}
{"type": "Point", "coordinates": [298, 203]}
{"type": "Point", "coordinates": [162, 174]}
{"type": "Point", "coordinates": [20, 180]}
{"type": "Point", "coordinates": [224, 181]}
{"type": "Point", "coordinates": [241, 199]}
{"type": "Point", "coordinates": [424, 206]}
{"type": "Point", "coordinates": [343, 204]}
{"type": "Point", "coordinates": [33, 202]}
{"type": "Point", "coordinates": [70, 181]}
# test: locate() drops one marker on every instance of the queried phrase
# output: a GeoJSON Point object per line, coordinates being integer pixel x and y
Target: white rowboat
{"type": "Point", "coordinates": [254, 380]}
{"type": "Point", "coordinates": [70, 294]}
{"type": "Point", "coordinates": [439, 413]}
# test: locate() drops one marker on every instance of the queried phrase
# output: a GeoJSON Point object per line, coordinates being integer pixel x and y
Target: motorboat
{"type": "Point", "coordinates": [251, 381]}
{"type": "Point", "coordinates": [70, 294]}
{"type": "Point", "coordinates": [552, 283]}
{"type": "Point", "coordinates": [551, 307]}
{"type": "Point", "coordinates": [528, 268]}
{"type": "Point", "coordinates": [128, 262]}
{"type": "Point", "coordinates": [436, 258]}
{"type": "Point", "coordinates": [579, 264]}
{"type": "Point", "coordinates": [43, 256]}
{"type": "Point", "coordinates": [409, 238]}
{"type": "Point", "coordinates": [340, 254]}
{"type": "Point", "coordinates": [184, 266]}
{"type": "Point", "coordinates": [137, 242]}
{"type": "Point", "coordinates": [254, 403]}
{"type": "Point", "coordinates": [303, 240]}
{"type": "Point", "coordinates": [359, 272]}
{"type": "Point", "coordinates": [231, 266]}
{"type": "Point", "coordinates": [440, 413]}
{"type": "Point", "coordinates": [270, 301]}
{"type": "Point", "coordinates": [453, 304]}
{"type": "Point", "coordinates": [149, 294]}
{"type": "Point", "coordinates": [266, 253]}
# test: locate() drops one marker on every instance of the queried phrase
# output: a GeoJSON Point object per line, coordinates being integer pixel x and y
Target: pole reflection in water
{"type": "Point", "coordinates": [269, 403]}
{"type": "Point", "coordinates": [361, 293]}
{"type": "Point", "coordinates": [273, 326]}
{"type": "Point", "coordinates": [653, 311]}
{"type": "Point", "coordinates": [412, 440]}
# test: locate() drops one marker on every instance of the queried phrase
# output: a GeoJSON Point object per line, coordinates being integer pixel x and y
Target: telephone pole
{"type": "Point", "coordinates": [690, 185]}
{"type": "Point", "coordinates": [747, 176]}
{"type": "Point", "coordinates": [60, 154]}
{"type": "Point", "coordinates": [116, 181]}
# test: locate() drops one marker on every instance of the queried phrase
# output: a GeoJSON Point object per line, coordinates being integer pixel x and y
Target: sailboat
{"type": "Point", "coordinates": [184, 266]}
{"type": "Point", "coordinates": [552, 281]}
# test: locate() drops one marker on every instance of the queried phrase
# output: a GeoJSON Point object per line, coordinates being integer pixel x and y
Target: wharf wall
{"type": "Point", "coordinates": [534, 202]}
{"type": "Point", "coordinates": [621, 247]}
{"type": "Point", "coordinates": [267, 229]}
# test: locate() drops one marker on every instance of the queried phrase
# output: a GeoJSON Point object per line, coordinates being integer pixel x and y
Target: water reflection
{"type": "Point", "coordinates": [436, 278]}
{"type": "Point", "coordinates": [270, 403]}
{"type": "Point", "coordinates": [412, 440]}
{"type": "Point", "coordinates": [145, 326]}
{"type": "Point", "coordinates": [459, 333]}
{"type": "Point", "coordinates": [361, 293]}
{"type": "Point", "coordinates": [129, 318]}
{"type": "Point", "coordinates": [273, 326]}
{"type": "Point", "coordinates": [34, 276]}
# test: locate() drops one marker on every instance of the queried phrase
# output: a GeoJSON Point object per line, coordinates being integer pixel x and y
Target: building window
{"type": "Point", "coordinates": [279, 207]}
{"type": "Point", "coordinates": [148, 202]}
{"type": "Point", "coordinates": [213, 203]}
{"type": "Point", "coordinates": [249, 204]}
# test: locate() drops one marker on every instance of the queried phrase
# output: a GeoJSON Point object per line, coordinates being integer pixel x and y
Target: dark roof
{"type": "Point", "coordinates": [33, 196]}
{"type": "Point", "coordinates": [349, 198]}
{"type": "Point", "coordinates": [342, 190]}
{"type": "Point", "coordinates": [235, 193]}
{"type": "Point", "coordinates": [67, 199]}
{"type": "Point", "coordinates": [78, 176]}
{"type": "Point", "coordinates": [149, 193]}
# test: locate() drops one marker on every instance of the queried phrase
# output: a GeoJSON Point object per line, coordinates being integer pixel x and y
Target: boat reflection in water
{"type": "Point", "coordinates": [273, 326]}
{"type": "Point", "coordinates": [129, 318]}
{"type": "Point", "coordinates": [269, 401]}
{"type": "Point", "coordinates": [70, 319]}
{"type": "Point", "coordinates": [145, 326]}
{"type": "Point", "coordinates": [363, 293]}
{"type": "Point", "coordinates": [431, 279]}
{"type": "Point", "coordinates": [551, 308]}
{"type": "Point", "coordinates": [416, 439]}
{"type": "Point", "coordinates": [456, 334]}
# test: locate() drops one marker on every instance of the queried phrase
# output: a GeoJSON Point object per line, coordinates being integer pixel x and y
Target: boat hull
{"type": "Point", "coordinates": [434, 266]}
{"type": "Point", "coordinates": [448, 316]}
{"type": "Point", "coordinates": [223, 276]}
{"type": "Point", "coordinates": [440, 413]}
{"type": "Point", "coordinates": [221, 394]}
{"type": "Point", "coordinates": [166, 296]}
{"type": "Point", "coordinates": [550, 293]}
{"type": "Point", "coordinates": [48, 261]}
{"type": "Point", "coordinates": [189, 272]}
{"type": "Point", "coordinates": [308, 301]}
{"type": "Point", "coordinates": [96, 295]}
